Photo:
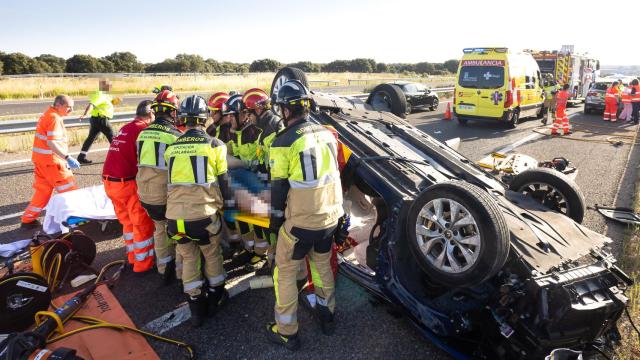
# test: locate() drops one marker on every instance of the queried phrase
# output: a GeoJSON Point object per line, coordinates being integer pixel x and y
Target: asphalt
{"type": "Point", "coordinates": [367, 329]}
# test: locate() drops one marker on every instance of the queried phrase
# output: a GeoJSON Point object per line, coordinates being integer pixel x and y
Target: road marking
{"type": "Point", "coordinates": [29, 160]}
{"type": "Point", "coordinates": [181, 314]}
{"type": "Point", "coordinates": [11, 216]}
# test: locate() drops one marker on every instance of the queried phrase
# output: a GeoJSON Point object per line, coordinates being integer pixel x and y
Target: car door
{"type": "Point", "coordinates": [411, 93]}
{"type": "Point", "coordinates": [422, 95]}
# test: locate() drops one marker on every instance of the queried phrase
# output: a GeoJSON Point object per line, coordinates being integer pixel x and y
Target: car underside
{"type": "Point", "coordinates": [482, 270]}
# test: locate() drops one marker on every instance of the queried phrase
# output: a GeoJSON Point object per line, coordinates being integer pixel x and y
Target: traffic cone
{"type": "Point", "coordinates": [447, 114]}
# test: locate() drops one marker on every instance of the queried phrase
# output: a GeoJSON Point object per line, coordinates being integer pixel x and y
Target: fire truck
{"type": "Point", "coordinates": [567, 67]}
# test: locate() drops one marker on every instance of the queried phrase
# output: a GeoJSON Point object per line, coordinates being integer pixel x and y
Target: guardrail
{"type": "Point", "coordinates": [20, 126]}
{"type": "Point", "coordinates": [382, 80]}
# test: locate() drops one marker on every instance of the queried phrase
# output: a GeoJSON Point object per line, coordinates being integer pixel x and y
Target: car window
{"type": "Point", "coordinates": [600, 86]}
{"type": "Point", "coordinates": [409, 88]}
{"type": "Point", "coordinates": [481, 77]}
{"type": "Point", "coordinates": [421, 87]}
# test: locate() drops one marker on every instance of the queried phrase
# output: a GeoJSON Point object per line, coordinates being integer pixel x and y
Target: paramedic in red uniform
{"type": "Point", "coordinates": [611, 102]}
{"type": "Point", "coordinates": [119, 178]}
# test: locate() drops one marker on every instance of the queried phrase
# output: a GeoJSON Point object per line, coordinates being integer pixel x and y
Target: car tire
{"type": "Point", "coordinates": [462, 121]}
{"type": "Point", "coordinates": [539, 184]}
{"type": "Point", "coordinates": [284, 74]}
{"type": "Point", "coordinates": [389, 98]}
{"type": "Point", "coordinates": [514, 120]}
{"type": "Point", "coordinates": [460, 249]}
{"type": "Point", "coordinates": [434, 105]}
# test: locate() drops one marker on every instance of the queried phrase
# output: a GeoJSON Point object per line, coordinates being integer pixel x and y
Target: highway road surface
{"type": "Point", "coordinates": [366, 329]}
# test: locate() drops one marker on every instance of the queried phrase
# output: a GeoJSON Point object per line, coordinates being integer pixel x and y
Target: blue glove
{"type": "Point", "coordinates": [72, 162]}
{"type": "Point", "coordinates": [230, 215]}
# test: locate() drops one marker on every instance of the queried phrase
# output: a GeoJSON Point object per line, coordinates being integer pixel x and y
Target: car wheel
{"type": "Point", "coordinates": [457, 234]}
{"type": "Point", "coordinates": [552, 189]}
{"type": "Point", "coordinates": [434, 105]}
{"type": "Point", "coordinates": [514, 120]}
{"type": "Point", "coordinates": [462, 121]}
{"type": "Point", "coordinates": [284, 74]}
{"type": "Point", "coordinates": [389, 98]}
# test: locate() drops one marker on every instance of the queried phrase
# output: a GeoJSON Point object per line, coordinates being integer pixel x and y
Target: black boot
{"type": "Point", "coordinates": [169, 273]}
{"type": "Point", "coordinates": [290, 342]}
{"type": "Point", "coordinates": [216, 298]}
{"type": "Point", "coordinates": [82, 159]}
{"type": "Point", "coordinates": [242, 257]}
{"type": "Point", "coordinates": [198, 307]}
{"type": "Point", "coordinates": [325, 317]}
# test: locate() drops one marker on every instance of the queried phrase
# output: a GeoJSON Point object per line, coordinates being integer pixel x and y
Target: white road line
{"type": "Point", "coordinates": [11, 216]}
{"type": "Point", "coordinates": [181, 314]}
{"type": "Point", "coordinates": [29, 160]}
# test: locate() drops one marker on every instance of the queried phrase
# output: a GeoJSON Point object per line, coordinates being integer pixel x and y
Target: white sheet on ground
{"type": "Point", "coordinates": [90, 202]}
{"type": "Point", "coordinates": [10, 249]}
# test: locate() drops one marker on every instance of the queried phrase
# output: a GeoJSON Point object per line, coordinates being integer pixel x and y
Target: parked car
{"type": "Point", "coordinates": [483, 269]}
{"type": "Point", "coordinates": [594, 102]}
{"type": "Point", "coordinates": [418, 96]}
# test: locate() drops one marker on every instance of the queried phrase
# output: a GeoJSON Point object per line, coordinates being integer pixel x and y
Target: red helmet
{"type": "Point", "coordinates": [165, 101]}
{"type": "Point", "coordinates": [216, 100]}
{"type": "Point", "coordinates": [254, 98]}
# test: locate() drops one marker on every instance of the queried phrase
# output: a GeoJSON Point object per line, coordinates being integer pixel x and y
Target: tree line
{"type": "Point", "coordinates": [126, 62]}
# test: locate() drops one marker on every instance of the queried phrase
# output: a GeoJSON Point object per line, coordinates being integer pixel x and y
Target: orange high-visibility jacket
{"type": "Point", "coordinates": [50, 127]}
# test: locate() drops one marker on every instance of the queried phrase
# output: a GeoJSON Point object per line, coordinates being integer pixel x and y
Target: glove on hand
{"type": "Point", "coordinates": [72, 162]}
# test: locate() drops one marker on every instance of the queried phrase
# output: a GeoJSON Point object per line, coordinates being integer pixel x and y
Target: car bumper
{"type": "Point", "coordinates": [506, 115]}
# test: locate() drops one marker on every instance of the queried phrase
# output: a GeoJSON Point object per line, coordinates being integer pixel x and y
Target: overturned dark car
{"type": "Point", "coordinates": [484, 269]}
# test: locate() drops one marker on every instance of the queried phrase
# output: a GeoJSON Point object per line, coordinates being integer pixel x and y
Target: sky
{"type": "Point", "coordinates": [389, 31]}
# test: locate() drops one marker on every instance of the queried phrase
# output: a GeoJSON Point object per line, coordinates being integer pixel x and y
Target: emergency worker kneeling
{"type": "Point", "coordinates": [198, 188]}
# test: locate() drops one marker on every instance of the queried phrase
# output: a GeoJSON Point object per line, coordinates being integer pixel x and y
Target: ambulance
{"type": "Point", "coordinates": [493, 83]}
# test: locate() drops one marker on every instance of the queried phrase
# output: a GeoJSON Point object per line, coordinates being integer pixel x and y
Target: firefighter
{"type": "Point", "coordinates": [101, 108]}
{"type": "Point", "coordinates": [258, 107]}
{"type": "Point", "coordinates": [51, 160]}
{"type": "Point", "coordinates": [561, 120]}
{"type": "Point", "coordinates": [215, 112]}
{"type": "Point", "coordinates": [198, 189]}
{"type": "Point", "coordinates": [635, 100]}
{"type": "Point", "coordinates": [243, 146]}
{"type": "Point", "coordinates": [550, 90]}
{"type": "Point", "coordinates": [611, 103]}
{"type": "Point", "coordinates": [306, 205]}
{"type": "Point", "coordinates": [119, 175]}
{"type": "Point", "coordinates": [152, 178]}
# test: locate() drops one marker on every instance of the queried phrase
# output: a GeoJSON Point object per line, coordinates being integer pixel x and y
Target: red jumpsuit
{"type": "Point", "coordinates": [611, 104]}
{"type": "Point", "coordinates": [51, 171]}
{"type": "Point", "coordinates": [561, 121]}
{"type": "Point", "coordinates": [119, 178]}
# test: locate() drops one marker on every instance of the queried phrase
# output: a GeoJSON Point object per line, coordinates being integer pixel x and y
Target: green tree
{"type": "Point", "coordinates": [306, 66]}
{"type": "Point", "coordinates": [361, 65]}
{"type": "Point", "coordinates": [214, 66]}
{"type": "Point", "coordinates": [83, 64]}
{"type": "Point", "coordinates": [382, 68]}
{"type": "Point", "coordinates": [56, 64]}
{"type": "Point", "coordinates": [191, 63]}
{"type": "Point", "coordinates": [242, 68]}
{"type": "Point", "coordinates": [265, 65]}
{"type": "Point", "coordinates": [125, 62]}
{"type": "Point", "coordinates": [424, 68]}
{"type": "Point", "coordinates": [166, 66]}
{"type": "Point", "coordinates": [1, 67]}
{"type": "Point", "coordinates": [451, 65]}
{"type": "Point", "coordinates": [337, 66]}
{"type": "Point", "coordinates": [19, 63]}
{"type": "Point", "coordinates": [106, 66]}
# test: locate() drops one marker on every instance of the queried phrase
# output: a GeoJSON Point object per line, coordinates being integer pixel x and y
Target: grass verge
{"type": "Point", "coordinates": [22, 142]}
{"type": "Point", "coordinates": [48, 87]}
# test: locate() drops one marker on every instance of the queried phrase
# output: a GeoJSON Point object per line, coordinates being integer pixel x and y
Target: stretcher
{"type": "Point", "coordinates": [76, 207]}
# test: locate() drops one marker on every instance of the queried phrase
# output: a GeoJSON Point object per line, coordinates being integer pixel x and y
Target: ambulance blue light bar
{"type": "Point", "coordinates": [483, 50]}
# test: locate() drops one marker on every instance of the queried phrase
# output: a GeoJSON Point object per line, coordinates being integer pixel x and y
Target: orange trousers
{"type": "Point", "coordinates": [561, 121]}
{"type": "Point", "coordinates": [47, 178]}
{"type": "Point", "coordinates": [610, 109]}
{"type": "Point", "coordinates": [137, 227]}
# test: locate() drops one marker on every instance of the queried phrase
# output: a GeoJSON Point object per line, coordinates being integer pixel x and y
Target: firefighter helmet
{"type": "Point", "coordinates": [233, 105]}
{"type": "Point", "coordinates": [216, 100]}
{"type": "Point", "coordinates": [293, 92]}
{"type": "Point", "coordinates": [165, 101]}
{"type": "Point", "coordinates": [256, 98]}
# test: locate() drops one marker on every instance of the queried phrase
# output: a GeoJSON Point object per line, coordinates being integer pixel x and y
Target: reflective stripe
{"type": "Point", "coordinates": [311, 184]}
{"type": "Point", "coordinates": [201, 174]}
{"type": "Point", "coordinates": [129, 248]}
{"type": "Point", "coordinates": [286, 319]}
{"type": "Point", "coordinates": [250, 243]}
{"type": "Point", "coordinates": [165, 260]}
{"type": "Point", "coordinates": [54, 133]}
{"type": "Point", "coordinates": [127, 236]}
{"type": "Point", "coordinates": [277, 213]}
{"type": "Point", "coordinates": [321, 301]}
{"type": "Point", "coordinates": [34, 208]}
{"type": "Point", "coordinates": [234, 236]}
{"type": "Point", "coordinates": [262, 244]}
{"type": "Point", "coordinates": [162, 147]}
{"type": "Point", "coordinates": [307, 161]}
{"type": "Point", "coordinates": [144, 255]}
{"type": "Point", "coordinates": [143, 244]}
{"type": "Point", "coordinates": [65, 186]}
{"type": "Point", "coordinates": [315, 276]}
{"type": "Point", "coordinates": [216, 280]}
{"type": "Point", "coordinates": [180, 226]}
{"type": "Point", "coordinates": [192, 285]}
{"type": "Point", "coordinates": [41, 137]}
{"type": "Point", "coordinates": [42, 151]}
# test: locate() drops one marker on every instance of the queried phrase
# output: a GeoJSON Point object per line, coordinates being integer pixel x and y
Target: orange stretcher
{"type": "Point", "coordinates": [98, 344]}
{"type": "Point", "coordinates": [253, 219]}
